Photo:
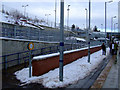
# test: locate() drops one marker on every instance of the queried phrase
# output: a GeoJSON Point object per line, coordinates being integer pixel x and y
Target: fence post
{"type": "Point", "coordinates": [50, 49]}
{"type": "Point", "coordinates": [30, 64]}
{"type": "Point", "coordinates": [20, 31]}
{"type": "Point", "coordinates": [71, 46]}
{"type": "Point", "coordinates": [25, 63]}
{"type": "Point", "coordinates": [41, 51]}
{"type": "Point", "coordinates": [5, 62]}
{"type": "Point", "coordinates": [39, 35]}
{"type": "Point", "coordinates": [18, 58]}
{"type": "Point", "coordinates": [57, 49]}
{"type": "Point", "coordinates": [29, 34]}
{"type": "Point", "coordinates": [14, 31]}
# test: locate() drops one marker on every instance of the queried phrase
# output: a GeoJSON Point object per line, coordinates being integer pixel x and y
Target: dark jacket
{"type": "Point", "coordinates": [116, 46]}
{"type": "Point", "coordinates": [103, 47]}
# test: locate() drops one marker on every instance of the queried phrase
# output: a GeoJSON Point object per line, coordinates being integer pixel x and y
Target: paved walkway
{"type": "Point", "coordinates": [112, 80]}
{"type": "Point", "coordinates": [109, 77]}
{"type": "Point", "coordinates": [88, 81]}
{"type": "Point", "coordinates": [0, 79]}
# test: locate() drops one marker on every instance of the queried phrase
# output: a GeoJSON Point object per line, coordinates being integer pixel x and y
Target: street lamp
{"type": "Point", "coordinates": [47, 17]}
{"type": "Point", "coordinates": [83, 26]}
{"type": "Point", "coordinates": [115, 26]}
{"type": "Point", "coordinates": [68, 17]}
{"type": "Point", "coordinates": [86, 24]}
{"type": "Point", "coordinates": [24, 6]}
{"type": "Point", "coordinates": [112, 22]}
{"type": "Point", "coordinates": [86, 18]}
{"type": "Point", "coordinates": [61, 40]}
{"type": "Point", "coordinates": [89, 31]}
{"type": "Point", "coordinates": [101, 26]}
{"type": "Point", "coordinates": [55, 11]}
{"type": "Point", "coordinates": [106, 19]}
{"type": "Point", "coordinates": [112, 25]}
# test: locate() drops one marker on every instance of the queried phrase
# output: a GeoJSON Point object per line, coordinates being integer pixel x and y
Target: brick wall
{"type": "Point", "coordinates": [43, 66]}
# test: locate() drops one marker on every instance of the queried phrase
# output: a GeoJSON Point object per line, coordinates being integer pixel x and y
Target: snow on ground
{"type": "Point", "coordinates": [81, 39]}
{"type": "Point", "coordinates": [76, 38]}
{"type": "Point", "coordinates": [73, 72]}
{"type": "Point", "coordinates": [11, 20]}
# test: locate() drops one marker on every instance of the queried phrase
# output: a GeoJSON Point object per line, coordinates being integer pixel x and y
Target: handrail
{"type": "Point", "coordinates": [24, 51]}
{"type": "Point", "coordinates": [25, 58]}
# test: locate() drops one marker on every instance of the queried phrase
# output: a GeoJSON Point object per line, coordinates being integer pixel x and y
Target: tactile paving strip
{"type": "Point", "coordinates": [102, 77]}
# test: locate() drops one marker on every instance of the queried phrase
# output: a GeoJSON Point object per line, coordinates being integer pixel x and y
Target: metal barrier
{"type": "Point", "coordinates": [20, 32]}
{"type": "Point", "coordinates": [30, 33]}
{"type": "Point", "coordinates": [23, 57]}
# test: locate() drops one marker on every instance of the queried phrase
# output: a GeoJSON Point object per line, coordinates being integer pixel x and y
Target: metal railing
{"type": "Point", "coordinates": [18, 32]}
{"type": "Point", "coordinates": [30, 33]}
{"type": "Point", "coordinates": [23, 57]}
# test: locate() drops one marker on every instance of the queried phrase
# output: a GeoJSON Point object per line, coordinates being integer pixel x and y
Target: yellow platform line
{"type": "Point", "coordinates": [102, 77]}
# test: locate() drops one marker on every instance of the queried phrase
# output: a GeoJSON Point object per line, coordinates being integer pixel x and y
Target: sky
{"type": "Point", "coordinates": [77, 12]}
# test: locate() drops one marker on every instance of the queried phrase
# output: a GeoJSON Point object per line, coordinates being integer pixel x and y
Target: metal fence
{"type": "Point", "coordinates": [49, 34]}
{"type": "Point", "coordinates": [30, 33]}
{"type": "Point", "coordinates": [23, 57]}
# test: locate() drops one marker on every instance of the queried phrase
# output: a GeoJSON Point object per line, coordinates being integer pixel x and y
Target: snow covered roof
{"type": "Point", "coordinates": [11, 20]}
{"type": "Point", "coordinates": [76, 38]}
{"type": "Point", "coordinates": [102, 39]}
{"type": "Point", "coordinates": [38, 26]}
{"type": "Point", "coordinates": [80, 39]}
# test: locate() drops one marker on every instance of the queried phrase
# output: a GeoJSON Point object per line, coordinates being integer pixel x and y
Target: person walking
{"type": "Point", "coordinates": [116, 48]}
{"type": "Point", "coordinates": [110, 47]}
{"type": "Point", "coordinates": [113, 48]}
{"type": "Point", "coordinates": [115, 52]}
{"type": "Point", "coordinates": [103, 49]}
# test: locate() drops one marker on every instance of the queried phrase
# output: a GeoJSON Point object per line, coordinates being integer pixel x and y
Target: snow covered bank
{"type": "Point", "coordinates": [78, 69]}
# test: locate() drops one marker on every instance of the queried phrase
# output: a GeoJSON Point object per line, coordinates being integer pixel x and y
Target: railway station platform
{"type": "Point", "coordinates": [109, 77]}
{"type": "Point", "coordinates": [106, 76]}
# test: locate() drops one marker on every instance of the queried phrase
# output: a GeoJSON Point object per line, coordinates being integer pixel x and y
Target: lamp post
{"type": "Point", "coordinates": [86, 18]}
{"type": "Point", "coordinates": [3, 8]}
{"type": "Point", "coordinates": [55, 11]}
{"type": "Point", "coordinates": [115, 26]}
{"type": "Point", "coordinates": [106, 19]}
{"type": "Point", "coordinates": [61, 40]}
{"type": "Point", "coordinates": [101, 26]}
{"type": "Point", "coordinates": [68, 17]}
{"type": "Point", "coordinates": [86, 24]}
{"type": "Point", "coordinates": [24, 6]}
{"type": "Point", "coordinates": [89, 31]}
{"type": "Point", "coordinates": [47, 17]}
{"type": "Point", "coordinates": [83, 26]}
{"type": "Point", "coordinates": [112, 25]}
